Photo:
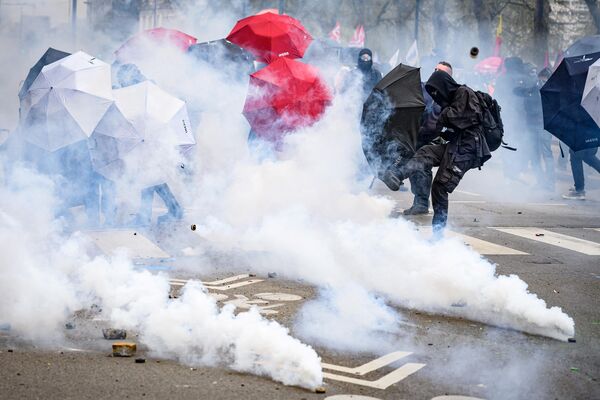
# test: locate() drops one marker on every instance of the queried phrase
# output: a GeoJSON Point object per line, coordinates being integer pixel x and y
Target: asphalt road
{"type": "Point", "coordinates": [448, 356]}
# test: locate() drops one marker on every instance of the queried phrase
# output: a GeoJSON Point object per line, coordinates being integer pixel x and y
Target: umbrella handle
{"type": "Point", "coordinates": [372, 182]}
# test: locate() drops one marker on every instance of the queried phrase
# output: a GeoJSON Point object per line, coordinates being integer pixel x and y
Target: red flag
{"type": "Point", "coordinates": [497, 46]}
{"type": "Point", "coordinates": [358, 39]}
{"type": "Point", "coordinates": [336, 33]}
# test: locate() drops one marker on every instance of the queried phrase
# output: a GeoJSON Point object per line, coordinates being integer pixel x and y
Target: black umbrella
{"type": "Point", "coordinates": [391, 117]}
{"type": "Point", "coordinates": [218, 51]}
{"type": "Point", "coordinates": [585, 45]}
{"type": "Point", "coordinates": [51, 55]}
{"type": "Point", "coordinates": [564, 117]}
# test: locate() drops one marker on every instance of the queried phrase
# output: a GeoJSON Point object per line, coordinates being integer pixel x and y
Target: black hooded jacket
{"type": "Point", "coordinates": [461, 113]}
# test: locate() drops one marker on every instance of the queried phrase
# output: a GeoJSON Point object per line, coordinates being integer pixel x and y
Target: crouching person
{"type": "Point", "coordinates": [465, 147]}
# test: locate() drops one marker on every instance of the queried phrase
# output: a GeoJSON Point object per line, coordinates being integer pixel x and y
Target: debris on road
{"type": "Point", "coordinates": [539, 234]}
{"type": "Point", "coordinates": [140, 360]}
{"type": "Point", "coordinates": [10, 350]}
{"type": "Point", "coordinates": [475, 220]}
{"type": "Point", "coordinates": [272, 274]}
{"type": "Point", "coordinates": [114, 334]}
{"type": "Point", "coordinates": [320, 389]}
{"type": "Point", "coordinates": [519, 212]}
{"type": "Point", "coordinates": [193, 227]}
{"type": "Point", "coordinates": [70, 325]}
{"type": "Point", "coordinates": [572, 340]}
{"type": "Point", "coordinates": [573, 369]}
{"type": "Point", "coordinates": [123, 349]}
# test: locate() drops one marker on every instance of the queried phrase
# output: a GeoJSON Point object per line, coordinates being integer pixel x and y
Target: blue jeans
{"type": "Point", "coordinates": [577, 159]}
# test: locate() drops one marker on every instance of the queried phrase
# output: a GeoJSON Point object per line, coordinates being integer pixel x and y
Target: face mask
{"type": "Point", "coordinates": [365, 62]}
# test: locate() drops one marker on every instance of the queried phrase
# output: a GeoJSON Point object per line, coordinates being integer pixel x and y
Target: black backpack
{"type": "Point", "coordinates": [493, 128]}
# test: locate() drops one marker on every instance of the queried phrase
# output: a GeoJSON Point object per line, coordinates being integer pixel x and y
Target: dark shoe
{"type": "Point", "coordinates": [416, 210]}
{"type": "Point", "coordinates": [392, 181]}
{"type": "Point", "coordinates": [573, 194]}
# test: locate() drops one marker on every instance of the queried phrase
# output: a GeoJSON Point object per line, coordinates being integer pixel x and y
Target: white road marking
{"type": "Point", "coordinates": [465, 192]}
{"type": "Point", "coordinates": [482, 247]}
{"type": "Point", "coordinates": [555, 239]}
{"type": "Point", "coordinates": [371, 365]}
{"type": "Point", "coordinates": [133, 242]}
{"type": "Point", "coordinates": [594, 229]}
{"type": "Point", "coordinates": [234, 285]}
{"type": "Point", "coordinates": [227, 280]}
{"type": "Point", "coordinates": [218, 285]}
{"type": "Point", "coordinates": [245, 303]}
{"type": "Point", "coordinates": [547, 204]}
{"type": "Point", "coordinates": [278, 296]}
{"type": "Point", "coordinates": [383, 382]}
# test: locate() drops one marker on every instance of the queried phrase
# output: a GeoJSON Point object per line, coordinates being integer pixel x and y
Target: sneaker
{"type": "Point", "coordinates": [573, 194]}
{"type": "Point", "coordinates": [416, 210]}
{"type": "Point", "coordinates": [392, 181]}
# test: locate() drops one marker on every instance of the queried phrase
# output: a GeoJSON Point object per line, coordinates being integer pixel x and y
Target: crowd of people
{"type": "Point", "coordinates": [452, 136]}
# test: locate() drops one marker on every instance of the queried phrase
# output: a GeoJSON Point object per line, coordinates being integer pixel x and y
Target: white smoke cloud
{"type": "Point", "coordinates": [46, 277]}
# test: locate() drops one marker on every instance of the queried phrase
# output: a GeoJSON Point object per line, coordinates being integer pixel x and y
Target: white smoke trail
{"type": "Point", "coordinates": [306, 212]}
{"type": "Point", "coordinates": [45, 279]}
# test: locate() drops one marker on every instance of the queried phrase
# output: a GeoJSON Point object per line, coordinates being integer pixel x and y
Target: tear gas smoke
{"type": "Point", "coordinates": [300, 212]}
{"type": "Point", "coordinates": [45, 278]}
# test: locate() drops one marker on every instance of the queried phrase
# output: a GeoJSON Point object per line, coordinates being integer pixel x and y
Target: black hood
{"type": "Point", "coordinates": [441, 87]}
{"type": "Point", "coordinates": [365, 66]}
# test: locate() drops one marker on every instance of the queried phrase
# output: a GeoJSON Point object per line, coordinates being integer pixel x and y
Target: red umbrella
{"type": "Point", "coordinates": [270, 36]}
{"type": "Point", "coordinates": [490, 65]}
{"type": "Point", "coordinates": [284, 96]}
{"type": "Point", "coordinates": [157, 36]}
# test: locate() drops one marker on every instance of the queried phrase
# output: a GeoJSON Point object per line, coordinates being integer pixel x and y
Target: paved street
{"type": "Point", "coordinates": [551, 243]}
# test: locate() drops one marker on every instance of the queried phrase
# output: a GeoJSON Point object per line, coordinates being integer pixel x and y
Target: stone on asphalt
{"type": "Point", "coordinates": [70, 325]}
{"type": "Point", "coordinates": [272, 274]}
{"type": "Point", "coordinates": [114, 334]}
{"type": "Point", "coordinates": [140, 360]}
{"type": "Point", "coordinates": [320, 389]}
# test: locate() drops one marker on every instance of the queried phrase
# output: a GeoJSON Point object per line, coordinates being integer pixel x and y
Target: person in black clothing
{"type": "Point", "coordinates": [540, 140]}
{"type": "Point", "coordinates": [460, 124]}
{"type": "Point", "coordinates": [420, 181]}
{"type": "Point", "coordinates": [365, 73]}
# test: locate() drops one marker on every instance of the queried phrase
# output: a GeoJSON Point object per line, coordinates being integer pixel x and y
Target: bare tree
{"type": "Point", "coordinates": [594, 8]}
{"type": "Point", "coordinates": [440, 24]}
{"type": "Point", "coordinates": [540, 29]}
{"type": "Point", "coordinates": [484, 25]}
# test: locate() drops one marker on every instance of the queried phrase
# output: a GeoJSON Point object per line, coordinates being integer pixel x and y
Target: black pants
{"type": "Point", "coordinates": [577, 159]}
{"type": "Point", "coordinates": [451, 170]}
{"type": "Point", "coordinates": [420, 186]}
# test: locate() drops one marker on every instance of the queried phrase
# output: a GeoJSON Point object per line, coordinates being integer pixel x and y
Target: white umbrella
{"type": "Point", "coordinates": [66, 101]}
{"type": "Point", "coordinates": [590, 100]}
{"type": "Point", "coordinates": [142, 136]}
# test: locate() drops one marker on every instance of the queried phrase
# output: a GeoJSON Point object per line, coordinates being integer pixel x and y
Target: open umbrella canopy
{"type": "Point", "coordinates": [564, 116]}
{"type": "Point", "coordinates": [284, 96]}
{"type": "Point", "coordinates": [51, 55]}
{"type": "Point", "coordinates": [66, 101]}
{"type": "Point", "coordinates": [146, 127]}
{"type": "Point", "coordinates": [219, 52]}
{"type": "Point", "coordinates": [585, 45]}
{"type": "Point", "coordinates": [270, 36]}
{"type": "Point", "coordinates": [150, 39]}
{"type": "Point", "coordinates": [391, 117]}
{"type": "Point", "coordinates": [591, 92]}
